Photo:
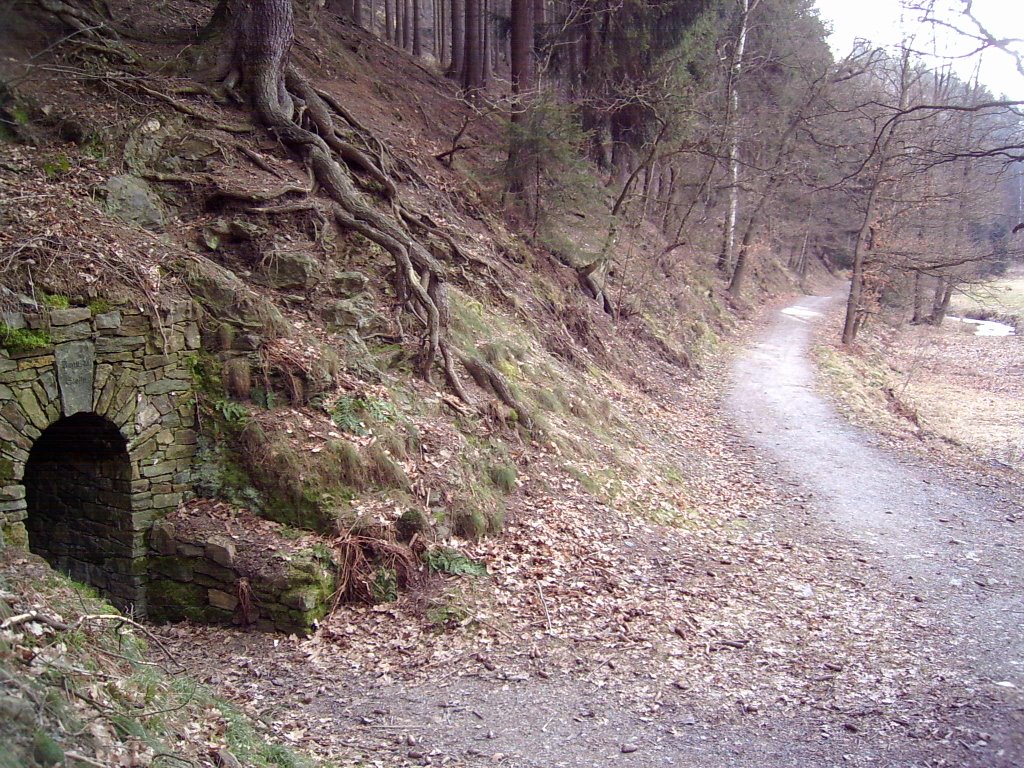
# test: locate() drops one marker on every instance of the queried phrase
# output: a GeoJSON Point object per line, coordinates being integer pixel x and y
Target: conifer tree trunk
{"type": "Point", "coordinates": [485, 42]}
{"type": "Point", "coordinates": [408, 22]}
{"type": "Point", "coordinates": [521, 37]}
{"type": "Point", "coordinates": [417, 41]}
{"type": "Point", "coordinates": [458, 20]}
{"type": "Point", "coordinates": [472, 60]}
{"type": "Point", "coordinates": [435, 43]}
{"type": "Point", "coordinates": [443, 32]}
{"type": "Point", "coordinates": [540, 21]}
{"type": "Point", "coordinates": [389, 21]}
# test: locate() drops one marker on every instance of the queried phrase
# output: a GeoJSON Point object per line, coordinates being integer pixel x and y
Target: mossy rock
{"type": "Point", "coordinates": [13, 535]}
{"type": "Point", "coordinates": [174, 601]}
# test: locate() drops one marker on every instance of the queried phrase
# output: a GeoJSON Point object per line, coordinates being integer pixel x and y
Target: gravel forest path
{"type": "Point", "coordinates": [956, 545]}
{"type": "Point", "coordinates": [828, 603]}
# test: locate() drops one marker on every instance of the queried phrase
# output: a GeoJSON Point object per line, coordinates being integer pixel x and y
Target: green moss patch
{"type": "Point", "coordinates": [21, 340]}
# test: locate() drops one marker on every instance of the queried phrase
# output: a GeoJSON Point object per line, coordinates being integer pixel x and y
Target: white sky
{"type": "Point", "coordinates": [885, 23]}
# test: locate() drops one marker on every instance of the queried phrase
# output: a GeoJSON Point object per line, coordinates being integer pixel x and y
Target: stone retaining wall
{"type": "Point", "coordinates": [128, 370]}
{"type": "Point", "coordinates": [211, 578]}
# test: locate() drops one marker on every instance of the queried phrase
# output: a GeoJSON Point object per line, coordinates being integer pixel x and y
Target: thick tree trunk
{"type": "Point", "coordinates": [417, 30]}
{"type": "Point", "coordinates": [258, 40]}
{"type": "Point", "coordinates": [389, 20]}
{"type": "Point", "coordinates": [435, 25]}
{"type": "Point", "coordinates": [521, 45]}
{"type": "Point", "coordinates": [540, 22]}
{"type": "Point", "coordinates": [399, 23]}
{"type": "Point", "coordinates": [357, 12]}
{"type": "Point", "coordinates": [485, 42]}
{"type": "Point", "coordinates": [458, 19]}
{"type": "Point", "coordinates": [472, 60]}
{"type": "Point", "coordinates": [408, 23]}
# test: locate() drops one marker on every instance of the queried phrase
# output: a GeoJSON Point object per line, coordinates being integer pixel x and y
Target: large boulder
{"type": "Point", "coordinates": [342, 314]}
{"type": "Point", "coordinates": [226, 297]}
{"type": "Point", "coordinates": [290, 269]}
{"type": "Point", "coordinates": [131, 199]}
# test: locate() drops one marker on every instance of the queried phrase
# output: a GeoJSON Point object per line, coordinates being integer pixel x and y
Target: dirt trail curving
{"type": "Point", "coordinates": [955, 543]}
{"type": "Point", "coordinates": [828, 604]}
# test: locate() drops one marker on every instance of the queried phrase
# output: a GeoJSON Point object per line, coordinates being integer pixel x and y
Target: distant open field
{"type": "Point", "coordinates": [962, 388]}
{"type": "Point", "coordinates": [1004, 297]}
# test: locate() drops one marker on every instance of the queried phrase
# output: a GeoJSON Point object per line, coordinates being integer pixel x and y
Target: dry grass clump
{"type": "Point", "coordinates": [384, 470]}
{"type": "Point", "coordinates": [372, 567]}
{"type": "Point", "coordinates": [237, 378]}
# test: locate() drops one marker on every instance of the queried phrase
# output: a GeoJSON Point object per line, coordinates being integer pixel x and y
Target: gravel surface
{"type": "Point", "coordinates": [956, 543]}
{"type": "Point", "coordinates": [825, 603]}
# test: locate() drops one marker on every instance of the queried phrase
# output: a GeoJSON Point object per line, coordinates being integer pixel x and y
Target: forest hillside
{"type": "Point", "coordinates": [400, 330]}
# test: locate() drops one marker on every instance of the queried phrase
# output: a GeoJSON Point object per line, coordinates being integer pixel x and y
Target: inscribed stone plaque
{"type": "Point", "coordinates": [75, 366]}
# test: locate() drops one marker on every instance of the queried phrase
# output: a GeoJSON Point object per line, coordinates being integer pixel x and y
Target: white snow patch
{"type": "Point", "coordinates": [801, 312]}
{"type": "Point", "coordinates": [986, 327]}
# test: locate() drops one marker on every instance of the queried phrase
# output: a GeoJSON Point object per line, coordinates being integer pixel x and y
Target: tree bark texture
{"type": "Point", "coordinates": [408, 23]}
{"type": "Point", "coordinates": [458, 19]}
{"type": "Point", "coordinates": [417, 30]}
{"type": "Point", "coordinates": [521, 46]}
{"type": "Point", "coordinates": [472, 59]}
{"type": "Point", "coordinates": [725, 259]}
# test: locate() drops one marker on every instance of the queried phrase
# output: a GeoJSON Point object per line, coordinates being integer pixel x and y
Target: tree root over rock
{"type": "Point", "coordinates": [255, 42]}
{"type": "Point", "coordinates": [255, 55]}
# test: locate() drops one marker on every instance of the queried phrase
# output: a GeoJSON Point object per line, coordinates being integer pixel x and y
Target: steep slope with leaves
{"type": "Point", "coordinates": [126, 176]}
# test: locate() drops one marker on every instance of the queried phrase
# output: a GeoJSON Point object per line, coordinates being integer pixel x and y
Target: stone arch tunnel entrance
{"type": "Point", "coordinates": [97, 435]}
{"type": "Point", "coordinates": [78, 493]}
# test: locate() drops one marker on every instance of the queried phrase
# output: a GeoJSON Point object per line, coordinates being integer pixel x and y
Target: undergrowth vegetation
{"type": "Point", "coordinates": [77, 681]}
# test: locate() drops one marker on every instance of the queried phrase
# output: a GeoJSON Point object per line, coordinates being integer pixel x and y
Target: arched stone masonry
{"type": "Point", "coordinates": [96, 439]}
{"type": "Point", "coordinates": [79, 499]}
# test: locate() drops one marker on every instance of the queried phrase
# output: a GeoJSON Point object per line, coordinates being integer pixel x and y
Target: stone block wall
{"type": "Point", "coordinates": [126, 368]}
{"type": "Point", "coordinates": [211, 577]}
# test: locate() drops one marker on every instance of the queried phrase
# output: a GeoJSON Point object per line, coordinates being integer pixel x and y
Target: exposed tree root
{"type": "Point", "coordinates": [222, 191]}
{"type": "Point", "coordinates": [489, 378]}
{"type": "Point", "coordinates": [256, 41]}
{"type": "Point", "coordinates": [190, 110]}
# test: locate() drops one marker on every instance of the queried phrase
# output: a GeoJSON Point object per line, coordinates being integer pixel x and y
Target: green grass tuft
{"type": "Point", "coordinates": [56, 301]}
{"type": "Point", "coordinates": [452, 562]}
